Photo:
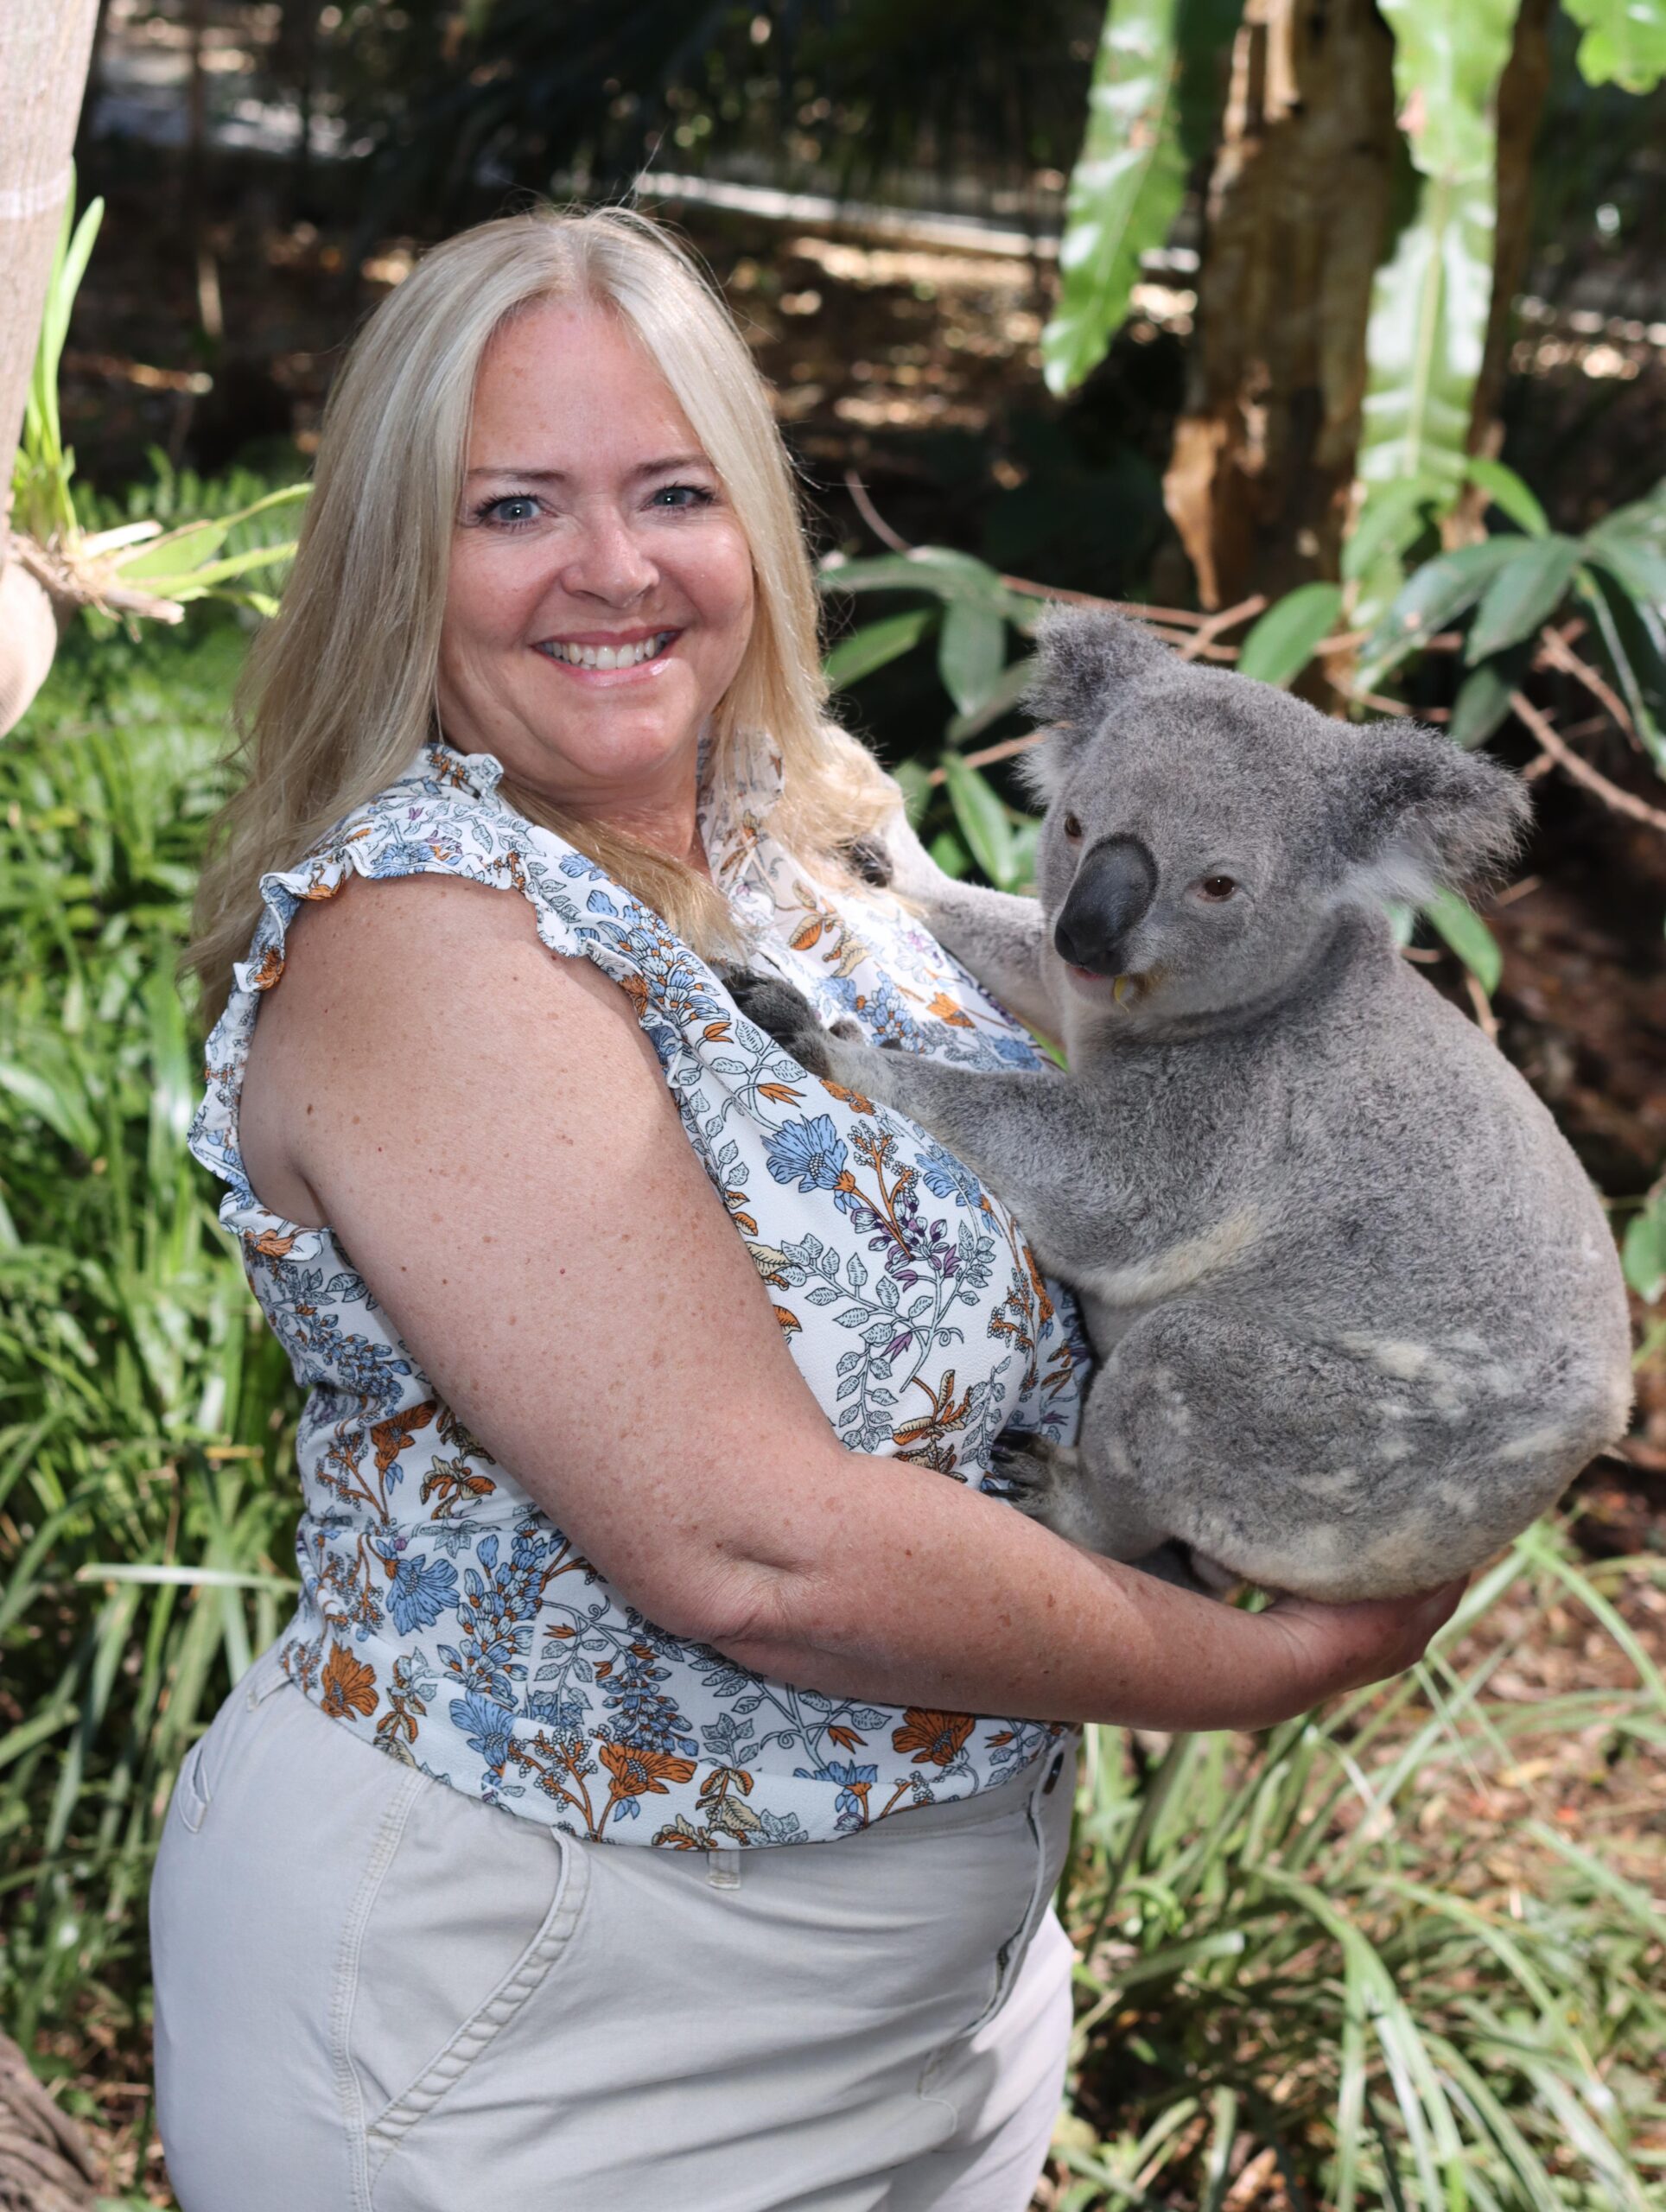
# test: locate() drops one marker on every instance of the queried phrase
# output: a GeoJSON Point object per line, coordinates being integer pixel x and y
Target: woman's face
{"type": "Point", "coordinates": [601, 595]}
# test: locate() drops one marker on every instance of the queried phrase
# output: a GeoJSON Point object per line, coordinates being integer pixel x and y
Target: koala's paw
{"type": "Point", "coordinates": [870, 859]}
{"type": "Point", "coordinates": [783, 1013]}
{"type": "Point", "coordinates": [1032, 1473]}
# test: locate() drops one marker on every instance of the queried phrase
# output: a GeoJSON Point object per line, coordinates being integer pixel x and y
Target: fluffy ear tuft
{"type": "Point", "coordinates": [1081, 655]}
{"type": "Point", "coordinates": [1419, 814]}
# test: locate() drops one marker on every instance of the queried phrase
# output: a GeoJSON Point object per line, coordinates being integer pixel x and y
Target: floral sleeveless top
{"type": "Point", "coordinates": [442, 1616]}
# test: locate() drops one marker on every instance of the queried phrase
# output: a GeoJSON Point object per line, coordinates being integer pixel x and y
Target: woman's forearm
{"type": "Point", "coordinates": [917, 1591]}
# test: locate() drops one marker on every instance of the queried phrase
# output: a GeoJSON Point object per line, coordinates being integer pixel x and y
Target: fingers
{"type": "Point", "coordinates": [1343, 1647]}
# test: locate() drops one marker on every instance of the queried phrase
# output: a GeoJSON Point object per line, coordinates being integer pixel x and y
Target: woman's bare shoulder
{"type": "Point", "coordinates": [449, 976]}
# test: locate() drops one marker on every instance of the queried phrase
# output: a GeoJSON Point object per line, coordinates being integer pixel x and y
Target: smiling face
{"type": "Point", "coordinates": [601, 599]}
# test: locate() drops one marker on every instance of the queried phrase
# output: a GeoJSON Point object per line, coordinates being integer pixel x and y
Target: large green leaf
{"type": "Point", "coordinates": [1281, 643]}
{"type": "Point", "coordinates": [1525, 592]}
{"type": "Point", "coordinates": [971, 652]}
{"type": "Point", "coordinates": [1430, 300]}
{"type": "Point", "coordinates": [1624, 42]}
{"type": "Point", "coordinates": [982, 819]}
{"type": "Point", "coordinates": [1125, 189]}
{"type": "Point", "coordinates": [875, 644]}
{"type": "Point", "coordinates": [1433, 595]}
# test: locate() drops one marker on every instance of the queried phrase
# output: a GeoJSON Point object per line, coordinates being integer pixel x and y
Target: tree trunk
{"type": "Point", "coordinates": [44, 48]}
{"type": "Point", "coordinates": [1298, 210]}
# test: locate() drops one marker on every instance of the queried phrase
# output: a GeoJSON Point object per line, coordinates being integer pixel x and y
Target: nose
{"type": "Point", "coordinates": [608, 562]}
{"type": "Point", "coordinates": [1114, 887]}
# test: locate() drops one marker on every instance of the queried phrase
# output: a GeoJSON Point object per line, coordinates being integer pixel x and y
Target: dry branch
{"type": "Point", "coordinates": [1551, 745]}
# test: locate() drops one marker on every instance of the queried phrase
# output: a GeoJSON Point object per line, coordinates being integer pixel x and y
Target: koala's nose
{"type": "Point", "coordinates": [1114, 887]}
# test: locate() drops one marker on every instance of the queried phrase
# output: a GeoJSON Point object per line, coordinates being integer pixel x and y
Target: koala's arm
{"type": "Point", "coordinates": [1001, 938]}
{"type": "Point", "coordinates": [1034, 1136]}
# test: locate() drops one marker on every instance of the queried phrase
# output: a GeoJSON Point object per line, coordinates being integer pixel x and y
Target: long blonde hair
{"type": "Point", "coordinates": [339, 690]}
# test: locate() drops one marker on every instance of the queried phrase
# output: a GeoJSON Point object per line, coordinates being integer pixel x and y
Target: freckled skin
{"type": "Point", "coordinates": [1320, 1228]}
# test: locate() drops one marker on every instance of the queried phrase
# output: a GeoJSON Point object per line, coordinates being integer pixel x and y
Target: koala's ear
{"type": "Point", "coordinates": [1417, 813]}
{"type": "Point", "coordinates": [1081, 656]}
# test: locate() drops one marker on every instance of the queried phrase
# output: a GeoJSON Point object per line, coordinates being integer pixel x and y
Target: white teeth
{"type": "Point", "coordinates": [608, 656]}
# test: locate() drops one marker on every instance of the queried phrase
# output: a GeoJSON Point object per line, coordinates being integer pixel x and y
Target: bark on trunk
{"type": "Point", "coordinates": [1258, 482]}
{"type": "Point", "coordinates": [44, 50]}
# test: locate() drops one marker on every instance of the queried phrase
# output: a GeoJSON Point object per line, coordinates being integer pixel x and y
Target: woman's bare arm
{"type": "Point", "coordinates": [487, 1131]}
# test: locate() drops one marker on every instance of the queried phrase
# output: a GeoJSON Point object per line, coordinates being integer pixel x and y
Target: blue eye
{"type": "Point", "coordinates": [682, 496]}
{"type": "Point", "coordinates": [509, 511]}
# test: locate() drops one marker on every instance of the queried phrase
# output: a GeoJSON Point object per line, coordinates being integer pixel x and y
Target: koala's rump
{"type": "Point", "coordinates": [1421, 1346]}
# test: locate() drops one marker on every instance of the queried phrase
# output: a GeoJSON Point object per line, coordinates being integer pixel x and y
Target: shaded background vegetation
{"type": "Point", "coordinates": [1404, 1953]}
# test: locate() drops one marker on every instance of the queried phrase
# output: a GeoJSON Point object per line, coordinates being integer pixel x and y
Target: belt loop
{"type": "Point", "coordinates": [723, 1866]}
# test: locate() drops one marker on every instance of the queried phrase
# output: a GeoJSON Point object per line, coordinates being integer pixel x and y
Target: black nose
{"type": "Point", "coordinates": [1115, 885]}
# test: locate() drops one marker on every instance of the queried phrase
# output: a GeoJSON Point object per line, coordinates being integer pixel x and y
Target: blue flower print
{"type": "Point", "coordinates": [485, 1728]}
{"type": "Point", "coordinates": [813, 1151]}
{"type": "Point", "coordinates": [421, 1593]}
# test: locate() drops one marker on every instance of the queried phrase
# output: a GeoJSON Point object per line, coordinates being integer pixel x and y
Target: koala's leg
{"type": "Point", "coordinates": [1276, 1457]}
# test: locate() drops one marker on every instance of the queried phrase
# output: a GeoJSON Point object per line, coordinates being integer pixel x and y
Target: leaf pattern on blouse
{"type": "Point", "coordinates": [443, 1615]}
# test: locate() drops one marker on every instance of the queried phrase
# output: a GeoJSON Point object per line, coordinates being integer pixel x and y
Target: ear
{"type": "Point", "coordinates": [1082, 657]}
{"type": "Point", "coordinates": [1417, 813]}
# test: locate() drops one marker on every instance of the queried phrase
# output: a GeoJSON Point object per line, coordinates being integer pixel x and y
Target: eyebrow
{"type": "Point", "coordinates": [662, 468]}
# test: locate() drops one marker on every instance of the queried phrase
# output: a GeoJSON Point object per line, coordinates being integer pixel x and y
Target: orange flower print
{"type": "Point", "coordinates": [271, 968]}
{"type": "Point", "coordinates": [392, 1436]}
{"type": "Point", "coordinates": [348, 1685]}
{"type": "Point", "coordinates": [643, 1773]}
{"type": "Point", "coordinates": [853, 1099]}
{"type": "Point", "coordinates": [270, 1244]}
{"type": "Point", "coordinates": [947, 1009]}
{"type": "Point", "coordinates": [933, 1738]}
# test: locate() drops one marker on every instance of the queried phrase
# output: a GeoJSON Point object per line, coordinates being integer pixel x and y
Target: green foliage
{"type": "Point", "coordinates": [145, 1494]}
{"type": "Point", "coordinates": [1152, 83]}
{"type": "Point", "coordinates": [1282, 643]}
{"type": "Point", "coordinates": [1431, 298]}
{"type": "Point", "coordinates": [44, 465]}
{"type": "Point", "coordinates": [1291, 1950]}
{"type": "Point", "coordinates": [1624, 42]}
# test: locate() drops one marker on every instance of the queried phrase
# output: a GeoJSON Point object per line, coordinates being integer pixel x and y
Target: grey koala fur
{"type": "Point", "coordinates": [1358, 1314]}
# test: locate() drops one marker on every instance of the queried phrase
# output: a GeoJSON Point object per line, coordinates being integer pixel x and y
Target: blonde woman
{"type": "Point", "coordinates": [655, 1802]}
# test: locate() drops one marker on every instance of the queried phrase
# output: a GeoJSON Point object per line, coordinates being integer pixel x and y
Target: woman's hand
{"type": "Point", "coordinates": [1337, 1648]}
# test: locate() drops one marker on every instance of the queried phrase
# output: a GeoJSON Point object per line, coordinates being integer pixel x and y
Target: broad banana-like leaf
{"type": "Point", "coordinates": [984, 820]}
{"type": "Point", "coordinates": [1125, 189]}
{"type": "Point", "coordinates": [1430, 300]}
{"type": "Point", "coordinates": [1624, 42]}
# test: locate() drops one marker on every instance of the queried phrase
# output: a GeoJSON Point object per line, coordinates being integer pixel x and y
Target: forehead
{"type": "Point", "coordinates": [565, 383]}
{"type": "Point", "coordinates": [1199, 761]}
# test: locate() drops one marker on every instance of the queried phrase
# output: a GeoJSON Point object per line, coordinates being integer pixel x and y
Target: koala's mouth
{"type": "Point", "coordinates": [1125, 990]}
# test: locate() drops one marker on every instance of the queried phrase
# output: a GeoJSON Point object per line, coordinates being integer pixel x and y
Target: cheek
{"type": "Point", "coordinates": [486, 592]}
{"type": "Point", "coordinates": [718, 579]}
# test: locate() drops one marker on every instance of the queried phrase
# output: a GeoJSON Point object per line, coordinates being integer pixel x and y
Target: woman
{"type": "Point", "coordinates": [624, 1519]}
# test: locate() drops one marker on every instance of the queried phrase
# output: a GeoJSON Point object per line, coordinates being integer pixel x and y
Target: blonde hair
{"type": "Point", "coordinates": [338, 691]}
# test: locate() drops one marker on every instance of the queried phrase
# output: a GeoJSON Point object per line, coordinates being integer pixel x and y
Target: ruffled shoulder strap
{"type": "Point", "coordinates": [444, 817]}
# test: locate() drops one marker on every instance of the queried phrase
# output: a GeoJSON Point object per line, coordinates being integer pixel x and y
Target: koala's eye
{"type": "Point", "coordinates": [1216, 887]}
{"type": "Point", "coordinates": [1073, 827]}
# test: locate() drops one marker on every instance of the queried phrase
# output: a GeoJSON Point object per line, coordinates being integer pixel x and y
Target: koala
{"type": "Point", "coordinates": [1357, 1314]}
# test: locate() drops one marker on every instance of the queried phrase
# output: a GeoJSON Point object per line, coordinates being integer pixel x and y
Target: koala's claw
{"type": "Point", "coordinates": [782, 1013]}
{"type": "Point", "coordinates": [1026, 1470]}
{"type": "Point", "coordinates": [870, 860]}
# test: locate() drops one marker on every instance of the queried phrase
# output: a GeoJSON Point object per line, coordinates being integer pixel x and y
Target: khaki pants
{"type": "Point", "coordinates": [375, 1994]}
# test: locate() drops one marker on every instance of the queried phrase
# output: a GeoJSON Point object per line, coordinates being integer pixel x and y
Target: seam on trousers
{"type": "Point", "coordinates": [496, 2013]}
{"type": "Point", "coordinates": [1010, 1953]}
{"type": "Point", "coordinates": [348, 2096]}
